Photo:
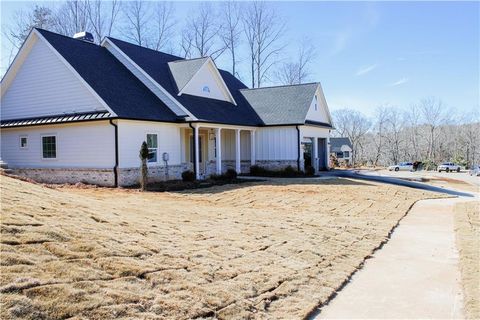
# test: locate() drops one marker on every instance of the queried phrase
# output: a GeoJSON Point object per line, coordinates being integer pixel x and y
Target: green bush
{"type": "Point", "coordinates": [309, 171]}
{"type": "Point", "coordinates": [429, 165]}
{"type": "Point", "coordinates": [230, 174]}
{"type": "Point", "coordinates": [287, 172]}
{"type": "Point", "coordinates": [188, 176]}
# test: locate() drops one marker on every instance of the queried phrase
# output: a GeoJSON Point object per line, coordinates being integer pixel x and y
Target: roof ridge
{"type": "Point", "coordinates": [282, 86]}
{"type": "Point", "coordinates": [187, 60]}
{"type": "Point", "coordinates": [146, 48]}
{"type": "Point", "coordinates": [65, 36]}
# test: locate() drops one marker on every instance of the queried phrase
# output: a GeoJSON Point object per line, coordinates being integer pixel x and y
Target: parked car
{"type": "Point", "coordinates": [475, 171]}
{"type": "Point", "coordinates": [402, 166]}
{"type": "Point", "coordinates": [448, 166]}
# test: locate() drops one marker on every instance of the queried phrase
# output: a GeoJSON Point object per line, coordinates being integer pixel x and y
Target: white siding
{"type": "Point", "coordinates": [276, 143]}
{"type": "Point", "coordinates": [131, 134]}
{"type": "Point", "coordinates": [43, 86]}
{"type": "Point", "coordinates": [152, 86]}
{"type": "Point", "coordinates": [320, 113]}
{"type": "Point", "coordinates": [85, 145]}
{"type": "Point", "coordinates": [207, 77]}
{"type": "Point", "coordinates": [228, 144]}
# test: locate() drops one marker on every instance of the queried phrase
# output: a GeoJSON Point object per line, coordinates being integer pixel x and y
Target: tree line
{"type": "Point", "coordinates": [250, 33]}
{"type": "Point", "coordinates": [427, 131]}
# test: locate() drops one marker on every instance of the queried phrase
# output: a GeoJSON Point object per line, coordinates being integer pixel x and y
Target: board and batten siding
{"type": "Point", "coordinates": [79, 145]}
{"type": "Point", "coordinates": [45, 86]}
{"type": "Point", "coordinates": [276, 143]}
{"type": "Point", "coordinates": [131, 135]}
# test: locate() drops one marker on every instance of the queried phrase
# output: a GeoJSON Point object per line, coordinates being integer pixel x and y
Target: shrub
{"type": "Point", "coordinates": [289, 171]}
{"type": "Point", "coordinates": [230, 174]}
{"type": "Point", "coordinates": [309, 171]}
{"type": "Point", "coordinates": [429, 165]}
{"type": "Point", "coordinates": [188, 176]}
{"type": "Point", "coordinates": [256, 170]}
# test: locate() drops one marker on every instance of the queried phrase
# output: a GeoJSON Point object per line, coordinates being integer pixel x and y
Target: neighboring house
{"type": "Point", "coordinates": [342, 149]}
{"type": "Point", "coordinates": [75, 111]}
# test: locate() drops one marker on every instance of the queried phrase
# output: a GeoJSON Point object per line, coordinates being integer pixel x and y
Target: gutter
{"type": "Point", "coordinates": [298, 147]}
{"type": "Point", "coordinates": [194, 149]}
{"type": "Point", "coordinates": [115, 168]}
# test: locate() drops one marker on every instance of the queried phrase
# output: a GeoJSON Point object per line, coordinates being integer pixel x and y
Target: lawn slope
{"type": "Point", "coordinates": [259, 250]}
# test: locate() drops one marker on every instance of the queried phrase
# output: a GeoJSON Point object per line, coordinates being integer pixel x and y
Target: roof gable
{"type": "Point", "coordinates": [116, 85]}
{"type": "Point", "coordinates": [184, 70]}
{"type": "Point", "coordinates": [337, 143]}
{"type": "Point", "coordinates": [282, 104]}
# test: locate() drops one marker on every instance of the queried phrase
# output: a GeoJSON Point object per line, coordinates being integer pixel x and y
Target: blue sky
{"type": "Point", "coordinates": [376, 53]}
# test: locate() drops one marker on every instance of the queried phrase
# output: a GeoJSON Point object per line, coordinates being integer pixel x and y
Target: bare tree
{"type": "Point", "coordinates": [137, 15]}
{"type": "Point", "coordinates": [263, 30]}
{"type": "Point", "coordinates": [432, 111]}
{"type": "Point", "coordinates": [231, 30]}
{"type": "Point", "coordinates": [72, 17]}
{"type": "Point", "coordinates": [381, 116]}
{"type": "Point", "coordinates": [202, 31]}
{"type": "Point", "coordinates": [394, 128]}
{"type": "Point", "coordinates": [186, 44]}
{"type": "Point", "coordinates": [38, 17]}
{"type": "Point", "coordinates": [102, 17]}
{"type": "Point", "coordinates": [354, 125]}
{"type": "Point", "coordinates": [297, 71]}
{"type": "Point", "coordinates": [163, 25]}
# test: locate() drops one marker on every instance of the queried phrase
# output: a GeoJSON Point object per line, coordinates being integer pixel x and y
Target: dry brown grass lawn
{"type": "Point", "coordinates": [256, 250]}
{"type": "Point", "coordinates": [467, 225]}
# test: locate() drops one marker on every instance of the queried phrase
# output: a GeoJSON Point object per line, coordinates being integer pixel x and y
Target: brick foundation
{"type": "Point", "coordinates": [131, 176]}
{"type": "Point", "coordinates": [101, 177]}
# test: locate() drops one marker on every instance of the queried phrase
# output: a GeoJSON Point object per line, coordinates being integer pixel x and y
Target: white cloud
{"type": "Point", "coordinates": [365, 69]}
{"type": "Point", "coordinates": [399, 82]}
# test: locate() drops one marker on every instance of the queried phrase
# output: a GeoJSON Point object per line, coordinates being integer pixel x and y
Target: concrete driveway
{"type": "Point", "coordinates": [416, 274]}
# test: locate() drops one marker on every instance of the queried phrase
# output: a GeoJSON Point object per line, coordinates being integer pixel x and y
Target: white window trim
{"type": "Point", "coordinates": [20, 141]}
{"type": "Point", "coordinates": [158, 148]}
{"type": "Point", "coordinates": [56, 146]}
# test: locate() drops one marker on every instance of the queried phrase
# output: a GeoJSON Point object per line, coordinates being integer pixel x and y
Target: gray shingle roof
{"type": "Point", "coordinates": [337, 143]}
{"type": "Point", "coordinates": [282, 104]}
{"type": "Point", "coordinates": [184, 70]}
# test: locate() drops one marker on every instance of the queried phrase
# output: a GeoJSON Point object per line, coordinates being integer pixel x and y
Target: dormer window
{"type": "Point", "coordinates": [206, 89]}
{"type": "Point", "coordinates": [316, 104]}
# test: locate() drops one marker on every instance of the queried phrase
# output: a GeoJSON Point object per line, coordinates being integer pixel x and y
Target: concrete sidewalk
{"type": "Point", "coordinates": [415, 275]}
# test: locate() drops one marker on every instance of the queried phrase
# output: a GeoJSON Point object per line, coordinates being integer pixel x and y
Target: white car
{"type": "Point", "coordinates": [448, 166]}
{"type": "Point", "coordinates": [402, 166]}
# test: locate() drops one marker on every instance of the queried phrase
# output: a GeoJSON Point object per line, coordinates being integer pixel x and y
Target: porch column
{"type": "Point", "coordinates": [218, 147]}
{"type": "Point", "coordinates": [237, 151]}
{"type": "Point", "coordinates": [315, 159]}
{"type": "Point", "coordinates": [196, 164]}
{"type": "Point", "coordinates": [252, 147]}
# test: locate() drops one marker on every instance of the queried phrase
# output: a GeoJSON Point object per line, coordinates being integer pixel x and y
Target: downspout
{"type": "Point", "coordinates": [115, 168]}
{"type": "Point", "coordinates": [298, 147]}
{"type": "Point", "coordinates": [194, 150]}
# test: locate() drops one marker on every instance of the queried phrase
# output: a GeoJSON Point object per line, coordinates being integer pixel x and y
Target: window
{"type": "Point", "coordinates": [152, 147]}
{"type": "Point", "coordinates": [49, 147]}
{"type": "Point", "coordinates": [346, 154]}
{"type": "Point", "coordinates": [206, 89]}
{"type": "Point", "coordinates": [339, 155]}
{"type": "Point", "coordinates": [316, 103]}
{"type": "Point", "coordinates": [23, 142]}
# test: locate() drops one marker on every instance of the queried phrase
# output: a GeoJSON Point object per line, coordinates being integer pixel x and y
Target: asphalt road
{"type": "Point", "coordinates": [358, 174]}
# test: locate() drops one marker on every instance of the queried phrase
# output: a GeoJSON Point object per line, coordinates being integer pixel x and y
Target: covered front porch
{"type": "Point", "coordinates": [213, 149]}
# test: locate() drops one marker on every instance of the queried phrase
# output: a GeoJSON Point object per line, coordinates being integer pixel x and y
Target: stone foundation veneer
{"type": "Point", "coordinates": [246, 164]}
{"type": "Point", "coordinates": [278, 164]}
{"type": "Point", "coordinates": [101, 177]}
{"type": "Point", "coordinates": [131, 176]}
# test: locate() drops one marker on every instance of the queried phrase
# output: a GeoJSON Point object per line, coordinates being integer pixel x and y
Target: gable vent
{"type": "Point", "coordinates": [84, 35]}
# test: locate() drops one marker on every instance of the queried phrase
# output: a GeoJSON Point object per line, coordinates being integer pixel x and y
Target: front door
{"type": "Point", "coordinates": [322, 154]}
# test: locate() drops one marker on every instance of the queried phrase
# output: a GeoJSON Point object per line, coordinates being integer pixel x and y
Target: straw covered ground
{"type": "Point", "coordinates": [467, 227]}
{"type": "Point", "coordinates": [255, 250]}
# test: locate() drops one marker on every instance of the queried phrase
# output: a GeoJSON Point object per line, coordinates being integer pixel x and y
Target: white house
{"type": "Point", "coordinates": [75, 111]}
{"type": "Point", "coordinates": [342, 149]}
